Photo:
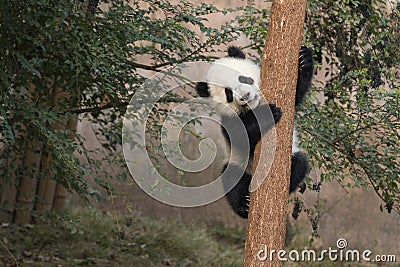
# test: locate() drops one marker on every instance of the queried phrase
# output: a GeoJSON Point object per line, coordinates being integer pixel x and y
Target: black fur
{"type": "Point", "coordinates": [251, 125]}
{"type": "Point", "coordinates": [229, 95]}
{"type": "Point", "coordinates": [299, 170]}
{"type": "Point", "coordinates": [246, 80]}
{"type": "Point", "coordinates": [236, 52]}
{"type": "Point", "coordinates": [238, 197]}
{"type": "Point", "coordinates": [305, 73]}
{"type": "Point", "coordinates": [202, 89]}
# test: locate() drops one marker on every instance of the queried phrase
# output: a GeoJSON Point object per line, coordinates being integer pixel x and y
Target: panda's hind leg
{"type": "Point", "coordinates": [238, 196]}
{"type": "Point", "coordinates": [299, 170]}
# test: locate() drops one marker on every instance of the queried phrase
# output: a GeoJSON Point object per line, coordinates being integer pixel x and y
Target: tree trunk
{"type": "Point", "coordinates": [268, 205]}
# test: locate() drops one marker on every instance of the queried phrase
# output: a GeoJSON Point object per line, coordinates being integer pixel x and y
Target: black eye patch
{"type": "Point", "coordinates": [229, 95]}
{"type": "Point", "coordinates": [246, 80]}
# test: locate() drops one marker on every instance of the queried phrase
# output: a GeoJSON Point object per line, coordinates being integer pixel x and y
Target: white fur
{"type": "Point", "coordinates": [225, 73]}
{"type": "Point", "coordinates": [295, 147]}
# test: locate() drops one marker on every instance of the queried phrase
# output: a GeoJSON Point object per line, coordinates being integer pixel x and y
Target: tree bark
{"type": "Point", "coordinates": [268, 204]}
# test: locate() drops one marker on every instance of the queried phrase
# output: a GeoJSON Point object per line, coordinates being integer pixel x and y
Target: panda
{"type": "Point", "coordinates": [233, 84]}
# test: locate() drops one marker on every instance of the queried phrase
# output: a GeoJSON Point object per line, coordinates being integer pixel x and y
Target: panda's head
{"type": "Point", "coordinates": [233, 82]}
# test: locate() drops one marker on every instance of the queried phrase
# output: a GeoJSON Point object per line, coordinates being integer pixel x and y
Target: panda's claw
{"type": "Point", "coordinates": [305, 59]}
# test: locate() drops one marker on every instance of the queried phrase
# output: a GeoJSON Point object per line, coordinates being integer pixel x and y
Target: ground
{"type": "Point", "coordinates": [89, 238]}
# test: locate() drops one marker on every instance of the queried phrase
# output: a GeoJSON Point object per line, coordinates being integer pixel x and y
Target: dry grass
{"type": "Point", "coordinates": [87, 238]}
{"type": "Point", "coordinates": [91, 239]}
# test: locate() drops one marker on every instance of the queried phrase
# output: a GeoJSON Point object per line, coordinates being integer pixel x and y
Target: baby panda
{"type": "Point", "coordinates": [233, 83]}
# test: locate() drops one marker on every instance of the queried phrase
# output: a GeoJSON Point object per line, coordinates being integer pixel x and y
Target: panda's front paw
{"type": "Point", "coordinates": [306, 62]}
{"type": "Point", "coordinates": [276, 112]}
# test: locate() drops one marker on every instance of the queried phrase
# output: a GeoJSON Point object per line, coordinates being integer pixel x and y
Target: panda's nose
{"type": "Point", "coordinates": [245, 97]}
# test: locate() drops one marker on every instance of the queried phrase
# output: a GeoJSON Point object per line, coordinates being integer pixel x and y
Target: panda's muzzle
{"type": "Point", "coordinates": [247, 100]}
{"type": "Point", "coordinates": [245, 97]}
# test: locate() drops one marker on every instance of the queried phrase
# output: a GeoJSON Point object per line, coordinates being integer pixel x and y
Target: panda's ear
{"type": "Point", "coordinates": [235, 52]}
{"type": "Point", "coordinates": [202, 89]}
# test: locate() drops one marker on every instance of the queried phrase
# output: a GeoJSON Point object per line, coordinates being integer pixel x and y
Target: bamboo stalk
{"type": "Point", "coordinates": [27, 187]}
{"type": "Point", "coordinates": [9, 187]}
{"type": "Point", "coordinates": [60, 196]}
{"type": "Point", "coordinates": [61, 193]}
{"type": "Point", "coordinates": [7, 202]}
{"type": "Point", "coordinates": [47, 183]}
